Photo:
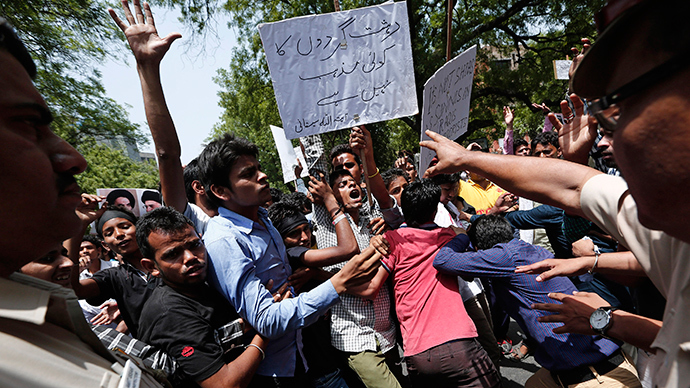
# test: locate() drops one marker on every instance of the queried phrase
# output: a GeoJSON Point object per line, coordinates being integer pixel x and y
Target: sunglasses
{"type": "Point", "coordinates": [606, 109]}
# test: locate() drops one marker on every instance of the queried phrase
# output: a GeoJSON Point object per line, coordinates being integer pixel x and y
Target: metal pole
{"type": "Point", "coordinates": [449, 35]}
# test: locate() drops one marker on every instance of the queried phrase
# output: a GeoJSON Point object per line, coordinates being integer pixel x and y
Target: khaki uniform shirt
{"type": "Point", "coordinates": [606, 201]}
{"type": "Point", "coordinates": [46, 342]}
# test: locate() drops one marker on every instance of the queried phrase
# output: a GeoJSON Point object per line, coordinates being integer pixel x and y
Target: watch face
{"type": "Point", "coordinates": [599, 319]}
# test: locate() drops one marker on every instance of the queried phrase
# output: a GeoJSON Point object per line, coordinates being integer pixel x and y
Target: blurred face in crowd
{"type": "Point", "coordinates": [150, 205]}
{"type": "Point", "coordinates": [606, 146]}
{"type": "Point", "coordinates": [448, 192]}
{"type": "Point", "coordinates": [39, 193]}
{"type": "Point", "coordinates": [55, 267]}
{"type": "Point", "coordinates": [346, 161]}
{"type": "Point", "coordinates": [396, 187]}
{"type": "Point", "coordinates": [119, 234]}
{"type": "Point", "coordinates": [90, 251]}
{"type": "Point", "coordinates": [300, 236]}
{"type": "Point", "coordinates": [347, 192]}
{"type": "Point", "coordinates": [124, 201]}
{"type": "Point", "coordinates": [179, 258]}
{"type": "Point", "coordinates": [523, 150]}
{"type": "Point", "coordinates": [411, 171]}
{"type": "Point", "coordinates": [546, 151]}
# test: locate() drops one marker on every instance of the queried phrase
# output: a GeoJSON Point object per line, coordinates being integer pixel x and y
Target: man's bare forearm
{"type": "Point", "coordinates": [164, 135]}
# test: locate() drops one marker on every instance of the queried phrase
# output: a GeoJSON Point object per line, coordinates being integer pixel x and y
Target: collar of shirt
{"type": "Point", "coordinates": [244, 224]}
{"type": "Point", "coordinates": [24, 298]}
{"type": "Point", "coordinates": [473, 183]}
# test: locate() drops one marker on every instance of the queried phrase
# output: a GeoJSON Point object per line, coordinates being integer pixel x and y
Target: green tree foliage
{"type": "Point", "coordinates": [531, 33]}
{"type": "Point", "coordinates": [67, 38]}
{"type": "Point", "coordinates": [110, 168]}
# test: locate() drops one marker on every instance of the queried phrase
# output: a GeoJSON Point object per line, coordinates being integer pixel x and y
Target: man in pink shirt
{"type": "Point", "coordinates": [439, 337]}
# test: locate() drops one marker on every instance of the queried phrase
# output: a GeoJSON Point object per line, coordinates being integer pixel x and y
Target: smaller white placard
{"type": "Point", "coordinates": [561, 68]}
{"type": "Point", "coordinates": [288, 155]}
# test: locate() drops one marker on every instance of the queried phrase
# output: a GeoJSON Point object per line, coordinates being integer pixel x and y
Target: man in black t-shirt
{"type": "Point", "coordinates": [184, 316]}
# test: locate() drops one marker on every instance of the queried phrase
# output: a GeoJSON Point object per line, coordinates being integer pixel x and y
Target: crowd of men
{"type": "Point", "coordinates": [375, 279]}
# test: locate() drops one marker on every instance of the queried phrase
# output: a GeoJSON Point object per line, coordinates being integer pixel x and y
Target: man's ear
{"type": "Point", "coordinates": [223, 193]}
{"type": "Point", "coordinates": [198, 187]}
{"type": "Point", "coordinates": [151, 267]}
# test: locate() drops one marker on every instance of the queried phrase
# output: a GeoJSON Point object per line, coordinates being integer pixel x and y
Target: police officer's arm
{"type": "Point", "coordinates": [149, 49]}
{"type": "Point", "coordinates": [574, 311]}
{"type": "Point", "coordinates": [551, 181]}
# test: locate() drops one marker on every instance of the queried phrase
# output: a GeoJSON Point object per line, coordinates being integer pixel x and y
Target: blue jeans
{"type": "Point", "coordinates": [330, 380]}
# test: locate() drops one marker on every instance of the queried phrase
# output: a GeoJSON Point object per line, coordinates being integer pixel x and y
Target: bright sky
{"type": "Point", "coordinates": [187, 78]}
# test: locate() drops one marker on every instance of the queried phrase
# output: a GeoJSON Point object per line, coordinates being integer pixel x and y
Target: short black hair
{"type": "Point", "coordinates": [337, 174]}
{"type": "Point", "coordinates": [276, 194]}
{"type": "Point", "coordinates": [391, 174]}
{"type": "Point", "coordinates": [297, 199]}
{"type": "Point", "coordinates": [218, 158]}
{"type": "Point", "coordinates": [442, 179]}
{"type": "Point", "coordinates": [519, 143]}
{"type": "Point", "coordinates": [118, 193]}
{"type": "Point", "coordinates": [150, 195]}
{"type": "Point", "coordinates": [344, 149]}
{"type": "Point", "coordinates": [191, 174]}
{"type": "Point", "coordinates": [93, 239]}
{"type": "Point", "coordinates": [546, 138]}
{"type": "Point", "coordinates": [489, 230]}
{"type": "Point", "coordinates": [165, 220]}
{"type": "Point", "coordinates": [10, 42]}
{"type": "Point", "coordinates": [419, 202]}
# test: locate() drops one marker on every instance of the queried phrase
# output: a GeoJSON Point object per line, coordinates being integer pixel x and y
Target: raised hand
{"type": "Point", "coordinates": [319, 189]}
{"type": "Point", "coordinates": [578, 132]}
{"type": "Point", "coordinates": [577, 56]}
{"type": "Point", "coordinates": [508, 117]}
{"type": "Point", "coordinates": [88, 210]}
{"type": "Point", "coordinates": [148, 47]}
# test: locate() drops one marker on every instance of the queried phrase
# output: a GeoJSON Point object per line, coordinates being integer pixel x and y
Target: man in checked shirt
{"type": "Point", "coordinates": [360, 328]}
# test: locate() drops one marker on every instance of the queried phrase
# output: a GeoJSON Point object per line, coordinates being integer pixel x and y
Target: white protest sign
{"type": "Point", "coordinates": [342, 69]}
{"type": "Point", "coordinates": [446, 107]}
{"type": "Point", "coordinates": [288, 155]}
{"type": "Point", "coordinates": [561, 69]}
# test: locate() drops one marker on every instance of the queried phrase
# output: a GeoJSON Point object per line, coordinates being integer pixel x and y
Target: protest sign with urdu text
{"type": "Point", "coordinates": [342, 69]}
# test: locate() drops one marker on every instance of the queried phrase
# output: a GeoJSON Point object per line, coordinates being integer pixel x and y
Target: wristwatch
{"type": "Point", "coordinates": [600, 320]}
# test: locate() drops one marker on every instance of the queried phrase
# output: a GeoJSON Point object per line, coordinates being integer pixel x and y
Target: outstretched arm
{"type": "Point", "coordinates": [149, 49]}
{"type": "Point", "coordinates": [574, 311]}
{"type": "Point", "coordinates": [551, 181]}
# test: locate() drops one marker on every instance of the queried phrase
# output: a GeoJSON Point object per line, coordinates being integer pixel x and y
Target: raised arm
{"type": "Point", "coordinates": [508, 137]}
{"type": "Point", "coordinates": [551, 181]}
{"type": "Point", "coordinates": [347, 243]}
{"type": "Point", "coordinates": [149, 49]}
{"type": "Point", "coordinates": [88, 212]}
{"type": "Point", "coordinates": [360, 138]}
